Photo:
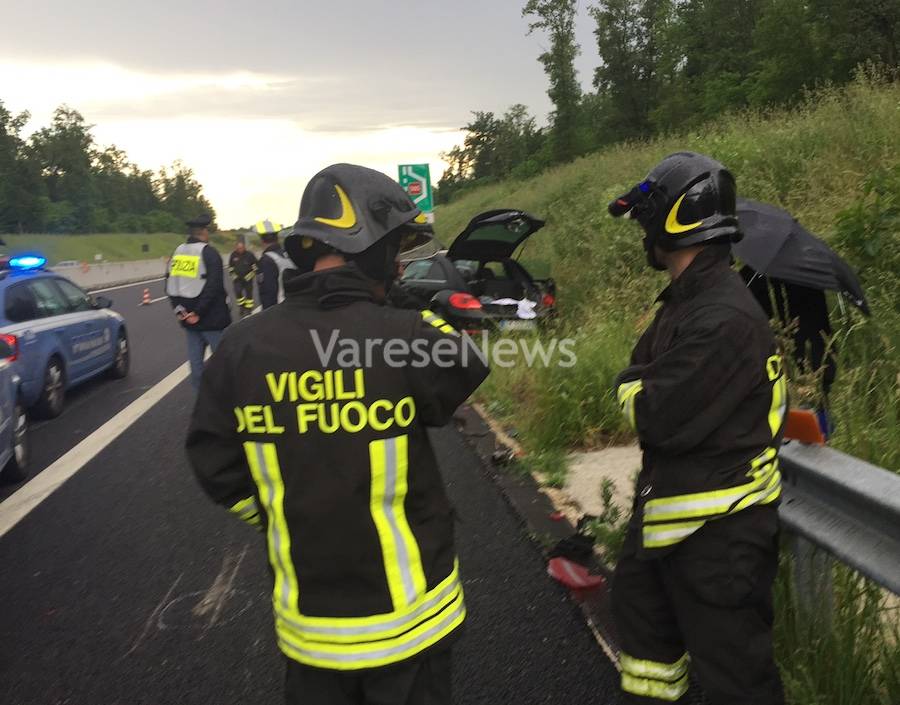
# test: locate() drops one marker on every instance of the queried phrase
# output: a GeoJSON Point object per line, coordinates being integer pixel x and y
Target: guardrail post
{"type": "Point", "coordinates": [812, 578]}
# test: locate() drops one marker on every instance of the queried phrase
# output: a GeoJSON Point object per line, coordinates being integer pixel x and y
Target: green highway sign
{"type": "Point", "coordinates": [416, 180]}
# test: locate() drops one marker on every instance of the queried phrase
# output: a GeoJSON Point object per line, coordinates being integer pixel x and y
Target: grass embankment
{"type": "Point", "coordinates": [835, 164]}
{"type": "Point", "coordinates": [115, 247]}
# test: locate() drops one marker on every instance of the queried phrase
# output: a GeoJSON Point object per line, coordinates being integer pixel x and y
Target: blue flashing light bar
{"type": "Point", "coordinates": [25, 263]}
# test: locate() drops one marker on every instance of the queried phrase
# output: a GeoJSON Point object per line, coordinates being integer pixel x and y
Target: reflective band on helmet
{"type": "Point", "coordinates": [402, 561]}
{"type": "Point", "coordinates": [655, 670]}
{"type": "Point", "coordinates": [266, 471]}
{"type": "Point", "coordinates": [438, 322]}
{"type": "Point", "coordinates": [626, 394]}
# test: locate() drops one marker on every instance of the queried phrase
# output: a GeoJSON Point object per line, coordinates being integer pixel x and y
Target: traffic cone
{"type": "Point", "coordinates": [146, 300]}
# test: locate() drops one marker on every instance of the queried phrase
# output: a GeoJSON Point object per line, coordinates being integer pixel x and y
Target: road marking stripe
{"type": "Point", "coordinates": [153, 301]}
{"type": "Point", "coordinates": [127, 286]}
{"type": "Point", "coordinates": [19, 504]}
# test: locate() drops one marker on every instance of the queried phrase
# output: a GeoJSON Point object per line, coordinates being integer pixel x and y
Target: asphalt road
{"type": "Point", "coordinates": [127, 587]}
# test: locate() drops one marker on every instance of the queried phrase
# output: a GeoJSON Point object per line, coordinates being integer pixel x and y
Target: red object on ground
{"type": "Point", "coordinates": [802, 425]}
{"type": "Point", "coordinates": [573, 575]}
{"type": "Point", "coordinates": [146, 300]}
{"type": "Point", "coordinates": [557, 516]}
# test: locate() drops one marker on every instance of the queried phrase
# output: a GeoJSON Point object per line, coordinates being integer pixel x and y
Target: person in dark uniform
{"type": "Point", "coordinates": [196, 289]}
{"type": "Point", "coordinates": [272, 265]}
{"type": "Point", "coordinates": [242, 268]}
{"type": "Point", "coordinates": [329, 455]}
{"type": "Point", "coordinates": [706, 395]}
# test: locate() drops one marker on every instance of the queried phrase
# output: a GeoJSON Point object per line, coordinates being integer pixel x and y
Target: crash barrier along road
{"type": "Point", "coordinates": [93, 276]}
{"type": "Point", "coordinates": [845, 506]}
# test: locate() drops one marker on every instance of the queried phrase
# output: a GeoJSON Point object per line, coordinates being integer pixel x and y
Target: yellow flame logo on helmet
{"type": "Point", "coordinates": [348, 217]}
{"type": "Point", "coordinates": [673, 227]}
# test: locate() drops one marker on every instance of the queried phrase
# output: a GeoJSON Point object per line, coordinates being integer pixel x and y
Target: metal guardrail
{"type": "Point", "coordinates": [845, 506]}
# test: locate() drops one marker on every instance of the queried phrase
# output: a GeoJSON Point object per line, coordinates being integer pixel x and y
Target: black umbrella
{"type": "Point", "coordinates": [776, 245]}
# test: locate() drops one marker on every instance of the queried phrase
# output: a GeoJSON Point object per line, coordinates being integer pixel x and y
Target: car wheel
{"type": "Point", "coordinates": [122, 361]}
{"type": "Point", "coordinates": [50, 404]}
{"type": "Point", "coordinates": [16, 469]}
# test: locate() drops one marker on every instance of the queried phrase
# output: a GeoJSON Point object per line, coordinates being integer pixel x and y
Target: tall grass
{"type": "Point", "coordinates": [832, 162]}
{"type": "Point", "coordinates": [848, 655]}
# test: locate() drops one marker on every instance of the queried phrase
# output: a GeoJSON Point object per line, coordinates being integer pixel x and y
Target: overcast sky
{"type": "Point", "coordinates": [258, 96]}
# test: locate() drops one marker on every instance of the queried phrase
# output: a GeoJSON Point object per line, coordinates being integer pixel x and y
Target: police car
{"type": "Point", "coordinates": [56, 335]}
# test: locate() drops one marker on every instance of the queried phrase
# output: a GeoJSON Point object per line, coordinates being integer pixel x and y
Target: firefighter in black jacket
{"type": "Point", "coordinates": [242, 268]}
{"type": "Point", "coordinates": [706, 395]}
{"type": "Point", "coordinates": [297, 431]}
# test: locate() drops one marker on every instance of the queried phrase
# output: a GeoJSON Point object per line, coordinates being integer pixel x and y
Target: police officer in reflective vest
{"type": "Point", "coordinates": [242, 268]}
{"type": "Point", "coordinates": [311, 424]}
{"type": "Point", "coordinates": [196, 290]}
{"type": "Point", "coordinates": [706, 395]}
{"type": "Point", "coordinates": [272, 264]}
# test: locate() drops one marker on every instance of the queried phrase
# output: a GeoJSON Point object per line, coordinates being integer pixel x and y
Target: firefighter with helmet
{"type": "Point", "coordinates": [329, 455]}
{"type": "Point", "coordinates": [242, 268]}
{"type": "Point", "coordinates": [272, 264]}
{"type": "Point", "coordinates": [706, 395]}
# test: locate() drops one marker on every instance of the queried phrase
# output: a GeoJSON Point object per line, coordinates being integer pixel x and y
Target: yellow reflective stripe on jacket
{"type": "Point", "coordinates": [662, 535]}
{"type": "Point", "coordinates": [778, 408]}
{"type": "Point", "coordinates": [402, 560]}
{"type": "Point", "coordinates": [371, 654]}
{"type": "Point", "coordinates": [266, 471]}
{"type": "Point", "coordinates": [350, 630]}
{"type": "Point", "coordinates": [247, 511]}
{"type": "Point", "coordinates": [655, 670]}
{"type": "Point", "coordinates": [626, 394]}
{"type": "Point", "coordinates": [714, 502]}
{"type": "Point", "coordinates": [438, 322]}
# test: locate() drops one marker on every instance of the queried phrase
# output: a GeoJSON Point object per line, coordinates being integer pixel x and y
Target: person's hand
{"type": "Point", "coordinates": [192, 319]}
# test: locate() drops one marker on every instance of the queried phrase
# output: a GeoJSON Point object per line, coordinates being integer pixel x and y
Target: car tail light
{"type": "Point", "coordinates": [464, 301]}
{"type": "Point", "coordinates": [549, 300]}
{"type": "Point", "coordinates": [13, 343]}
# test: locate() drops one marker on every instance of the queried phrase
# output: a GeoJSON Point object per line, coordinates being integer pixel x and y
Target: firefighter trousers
{"type": "Point", "coordinates": [243, 294]}
{"type": "Point", "coordinates": [706, 607]}
{"type": "Point", "coordinates": [425, 680]}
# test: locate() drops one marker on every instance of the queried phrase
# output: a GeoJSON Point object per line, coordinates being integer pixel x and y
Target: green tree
{"type": "Point", "coordinates": [631, 40]}
{"type": "Point", "coordinates": [22, 199]}
{"type": "Point", "coordinates": [64, 152]}
{"type": "Point", "coordinates": [557, 18]}
{"type": "Point", "coordinates": [181, 195]}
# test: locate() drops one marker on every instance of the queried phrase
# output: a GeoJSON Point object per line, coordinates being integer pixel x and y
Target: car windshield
{"type": "Point", "coordinates": [417, 270]}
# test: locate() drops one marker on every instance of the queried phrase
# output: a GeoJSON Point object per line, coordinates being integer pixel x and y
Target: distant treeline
{"type": "Point", "coordinates": [670, 64]}
{"type": "Point", "coordinates": [60, 181]}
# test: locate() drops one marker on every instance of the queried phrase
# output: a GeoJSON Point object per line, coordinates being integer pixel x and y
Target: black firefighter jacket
{"type": "Point", "coordinates": [331, 456]}
{"type": "Point", "coordinates": [707, 395]}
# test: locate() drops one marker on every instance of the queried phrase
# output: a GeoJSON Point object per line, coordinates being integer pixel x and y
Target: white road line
{"type": "Point", "coordinates": [153, 301]}
{"type": "Point", "coordinates": [127, 286]}
{"type": "Point", "coordinates": [19, 504]}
